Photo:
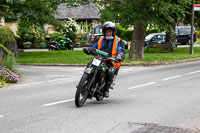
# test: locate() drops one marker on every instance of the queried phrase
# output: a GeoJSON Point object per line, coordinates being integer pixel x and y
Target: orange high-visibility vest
{"type": "Point", "coordinates": [114, 49]}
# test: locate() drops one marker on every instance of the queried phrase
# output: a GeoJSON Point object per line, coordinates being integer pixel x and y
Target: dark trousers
{"type": "Point", "coordinates": [110, 73]}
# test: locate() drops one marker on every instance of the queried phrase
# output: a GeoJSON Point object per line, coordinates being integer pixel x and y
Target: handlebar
{"type": "Point", "coordinates": [97, 52]}
{"type": "Point", "coordinates": [112, 58]}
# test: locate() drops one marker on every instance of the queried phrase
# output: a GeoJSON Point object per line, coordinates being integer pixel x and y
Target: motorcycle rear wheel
{"type": "Point", "coordinates": [82, 91]}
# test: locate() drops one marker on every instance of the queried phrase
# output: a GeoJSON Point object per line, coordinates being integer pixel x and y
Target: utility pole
{"type": "Point", "coordinates": [192, 29]}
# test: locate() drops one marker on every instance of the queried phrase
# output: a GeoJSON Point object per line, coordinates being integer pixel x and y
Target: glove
{"type": "Point", "coordinates": [85, 50]}
{"type": "Point", "coordinates": [89, 50]}
{"type": "Point", "coordinates": [119, 57]}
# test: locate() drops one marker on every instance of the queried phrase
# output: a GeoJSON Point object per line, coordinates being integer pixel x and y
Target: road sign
{"type": "Point", "coordinates": [196, 7]}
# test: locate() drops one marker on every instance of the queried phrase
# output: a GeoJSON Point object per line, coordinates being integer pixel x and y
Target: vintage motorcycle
{"type": "Point", "coordinates": [93, 79]}
{"type": "Point", "coordinates": [61, 45]}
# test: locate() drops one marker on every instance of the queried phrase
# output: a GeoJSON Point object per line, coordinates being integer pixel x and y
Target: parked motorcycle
{"type": "Point", "coordinates": [52, 46]}
{"type": "Point", "coordinates": [69, 44]}
{"type": "Point", "coordinates": [66, 45]}
{"type": "Point", "coordinates": [93, 79]}
{"type": "Point", "coordinates": [61, 45]}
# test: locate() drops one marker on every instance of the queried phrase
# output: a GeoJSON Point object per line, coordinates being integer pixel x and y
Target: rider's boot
{"type": "Point", "coordinates": [106, 89]}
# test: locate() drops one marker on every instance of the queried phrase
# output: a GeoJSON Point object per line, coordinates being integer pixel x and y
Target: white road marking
{"type": "Point", "coordinates": [58, 102]}
{"type": "Point", "coordinates": [1, 116]}
{"type": "Point", "coordinates": [142, 85]}
{"type": "Point", "coordinates": [172, 77]}
{"type": "Point", "coordinates": [193, 72]}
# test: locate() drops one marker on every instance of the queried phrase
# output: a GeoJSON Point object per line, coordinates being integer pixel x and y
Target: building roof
{"type": "Point", "coordinates": [83, 12]}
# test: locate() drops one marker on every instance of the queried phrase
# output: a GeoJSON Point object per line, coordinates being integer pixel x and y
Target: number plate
{"type": "Point", "coordinates": [96, 62]}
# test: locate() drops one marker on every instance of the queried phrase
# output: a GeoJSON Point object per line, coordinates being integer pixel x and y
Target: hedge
{"type": "Point", "coordinates": [197, 34]}
{"type": "Point", "coordinates": [57, 37]}
{"type": "Point", "coordinates": [127, 34]}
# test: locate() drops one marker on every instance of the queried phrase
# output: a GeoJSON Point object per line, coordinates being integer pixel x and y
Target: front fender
{"type": "Point", "coordinates": [88, 70]}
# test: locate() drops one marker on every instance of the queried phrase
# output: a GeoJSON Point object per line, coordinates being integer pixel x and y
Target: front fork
{"type": "Point", "coordinates": [92, 75]}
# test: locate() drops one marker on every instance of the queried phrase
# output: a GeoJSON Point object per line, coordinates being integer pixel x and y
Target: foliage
{"type": "Point", "coordinates": [24, 32]}
{"type": "Point", "coordinates": [8, 72]}
{"type": "Point", "coordinates": [84, 27]}
{"type": "Point", "coordinates": [198, 34]}
{"type": "Point", "coordinates": [149, 31]}
{"type": "Point", "coordinates": [159, 13]}
{"type": "Point", "coordinates": [57, 36]}
{"type": "Point", "coordinates": [7, 9]}
{"type": "Point", "coordinates": [8, 59]}
{"type": "Point", "coordinates": [123, 33]}
{"type": "Point", "coordinates": [9, 76]}
{"type": "Point", "coordinates": [7, 38]}
{"type": "Point", "coordinates": [29, 33]}
{"type": "Point", "coordinates": [127, 34]}
{"type": "Point", "coordinates": [36, 11]}
{"type": "Point", "coordinates": [2, 83]}
{"type": "Point", "coordinates": [6, 35]}
{"type": "Point", "coordinates": [68, 28]}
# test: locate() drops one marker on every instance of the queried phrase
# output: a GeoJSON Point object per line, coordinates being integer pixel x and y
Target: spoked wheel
{"type": "Point", "coordinates": [82, 91]}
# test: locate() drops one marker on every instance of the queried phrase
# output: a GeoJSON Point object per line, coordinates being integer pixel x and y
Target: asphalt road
{"type": "Point", "coordinates": [160, 99]}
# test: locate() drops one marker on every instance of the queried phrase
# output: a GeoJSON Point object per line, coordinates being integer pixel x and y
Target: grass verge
{"type": "Point", "coordinates": [155, 56]}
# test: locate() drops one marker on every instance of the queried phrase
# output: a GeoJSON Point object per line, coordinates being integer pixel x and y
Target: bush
{"type": "Point", "coordinates": [149, 31]}
{"type": "Point", "coordinates": [123, 33]}
{"type": "Point", "coordinates": [8, 72]}
{"type": "Point", "coordinates": [198, 34]}
{"type": "Point", "coordinates": [24, 33]}
{"type": "Point", "coordinates": [7, 38]}
{"type": "Point", "coordinates": [6, 35]}
{"type": "Point", "coordinates": [57, 37]}
{"type": "Point", "coordinates": [2, 84]}
{"type": "Point", "coordinates": [127, 34]}
{"type": "Point", "coordinates": [8, 59]}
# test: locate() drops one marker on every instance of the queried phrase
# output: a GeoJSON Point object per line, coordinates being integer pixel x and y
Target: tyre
{"type": "Point", "coordinates": [183, 43]}
{"type": "Point", "coordinates": [189, 42]}
{"type": "Point", "coordinates": [82, 91]}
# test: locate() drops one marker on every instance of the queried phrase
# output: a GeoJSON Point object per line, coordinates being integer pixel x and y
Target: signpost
{"type": "Point", "coordinates": [192, 25]}
{"type": "Point", "coordinates": [195, 7]}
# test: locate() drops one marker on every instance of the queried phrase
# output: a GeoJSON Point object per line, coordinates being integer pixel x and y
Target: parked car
{"type": "Point", "coordinates": [156, 38]}
{"type": "Point", "coordinates": [95, 37]}
{"type": "Point", "coordinates": [92, 38]}
{"type": "Point", "coordinates": [183, 34]}
{"type": "Point", "coordinates": [125, 44]}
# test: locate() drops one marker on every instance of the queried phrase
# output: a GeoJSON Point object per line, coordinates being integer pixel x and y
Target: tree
{"type": "Point", "coordinates": [7, 7]}
{"type": "Point", "coordinates": [140, 13]}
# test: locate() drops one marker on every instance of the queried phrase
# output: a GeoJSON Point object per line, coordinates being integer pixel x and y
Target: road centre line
{"type": "Point", "coordinates": [150, 83]}
{"type": "Point", "coordinates": [171, 77]}
{"type": "Point", "coordinates": [193, 72]}
{"type": "Point", "coordinates": [58, 102]}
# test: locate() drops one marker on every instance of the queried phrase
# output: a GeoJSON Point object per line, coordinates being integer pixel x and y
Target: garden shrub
{"type": "Point", "coordinates": [124, 33]}
{"type": "Point", "coordinates": [198, 34]}
{"type": "Point", "coordinates": [8, 70]}
{"type": "Point", "coordinates": [57, 36]}
{"type": "Point", "coordinates": [8, 58]}
{"type": "Point", "coordinates": [6, 35]}
{"type": "Point", "coordinates": [127, 34]}
{"type": "Point", "coordinates": [7, 38]}
{"type": "Point", "coordinates": [149, 31]}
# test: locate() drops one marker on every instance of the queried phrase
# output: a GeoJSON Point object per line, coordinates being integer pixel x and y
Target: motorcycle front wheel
{"type": "Point", "coordinates": [82, 91]}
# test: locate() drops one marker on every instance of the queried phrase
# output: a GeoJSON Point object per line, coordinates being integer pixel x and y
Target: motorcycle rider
{"type": "Point", "coordinates": [113, 45]}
